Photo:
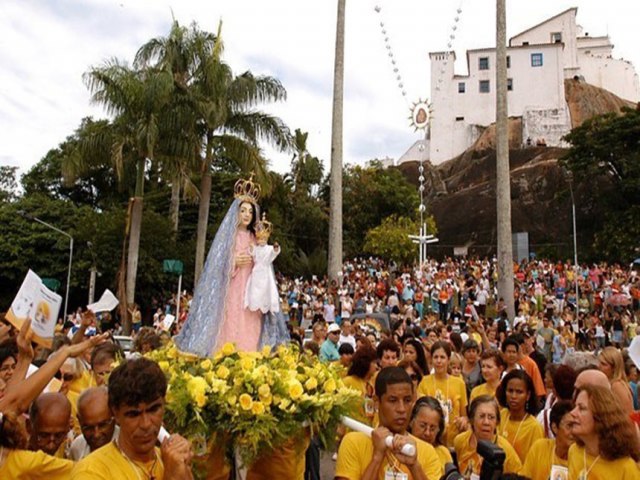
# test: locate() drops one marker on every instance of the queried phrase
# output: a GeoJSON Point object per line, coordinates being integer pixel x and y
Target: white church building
{"type": "Point", "coordinates": [538, 61]}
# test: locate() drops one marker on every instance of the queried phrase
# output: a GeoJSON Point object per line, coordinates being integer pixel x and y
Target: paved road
{"type": "Point", "coordinates": [327, 466]}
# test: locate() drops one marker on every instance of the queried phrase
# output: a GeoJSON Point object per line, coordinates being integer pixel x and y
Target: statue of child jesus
{"type": "Point", "coordinates": [262, 290]}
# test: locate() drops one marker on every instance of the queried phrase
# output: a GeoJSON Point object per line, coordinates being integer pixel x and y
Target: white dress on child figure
{"type": "Point", "coordinates": [262, 290]}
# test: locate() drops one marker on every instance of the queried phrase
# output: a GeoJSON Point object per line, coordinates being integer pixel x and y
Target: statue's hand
{"type": "Point", "coordinates": [243, 260]}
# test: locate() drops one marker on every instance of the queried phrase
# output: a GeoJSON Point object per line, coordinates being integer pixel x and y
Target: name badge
{"type": "Point", "coordinates": [559, 472]}
{"type": "Point", "coordinates": [395, 475]}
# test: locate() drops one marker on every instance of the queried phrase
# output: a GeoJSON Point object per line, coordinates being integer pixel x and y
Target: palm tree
{"type": "Point", "coordinates": [179, 54]}
{"type": "Point", "coordinates": [136, 98]}
{"type": "Point", "coordinates": [335, 181]}
{"type": "Point", "coordinates": [503, 178]}
{"type": "Point", "coordinates": [306, 170]}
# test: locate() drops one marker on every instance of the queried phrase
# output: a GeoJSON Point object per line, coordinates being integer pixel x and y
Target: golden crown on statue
{"type": "Point", "coordinates": [264, 228]}
{"type": "Point", "coordinates": [247, 190]}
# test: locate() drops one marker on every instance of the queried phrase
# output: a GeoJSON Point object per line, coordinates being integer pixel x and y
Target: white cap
{"type": "Point", "coordinates": [334, 327]}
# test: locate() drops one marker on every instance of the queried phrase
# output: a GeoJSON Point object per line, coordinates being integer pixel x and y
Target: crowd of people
{"type": "Point", "coordinates": [437, 361]}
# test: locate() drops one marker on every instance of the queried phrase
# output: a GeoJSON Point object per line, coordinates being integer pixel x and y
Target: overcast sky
{"type": "Point", "coordinates": [46, 46]}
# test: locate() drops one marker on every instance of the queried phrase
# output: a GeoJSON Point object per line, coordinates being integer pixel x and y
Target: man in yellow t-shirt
{"type": "Point", "coordinates": [364, 458]}
{"type": "Point", "coordinates": [136, 398]}
{"type": "Point", "coordinates": [49, 423]}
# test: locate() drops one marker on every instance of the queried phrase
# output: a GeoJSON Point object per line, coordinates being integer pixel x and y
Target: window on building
{"type": "Point", "coordinates": [525, 43]}
{"type": "Point", "coordinates": [483, 63]}
{"type": "Point", "coordinates": [461, 87]}
{"type": "Point", "coordinates": [509, 84]}
{"type": "Point", "coordinates": [459, 119]}
{"type": "Point", "coordinates": [536, 59]}
{"type": "Point", "coordinates": [556, 37]}
{"type": "Point", "coordinates": [484, 86]}
{"type": "Point", "coordinates": [508, 61]}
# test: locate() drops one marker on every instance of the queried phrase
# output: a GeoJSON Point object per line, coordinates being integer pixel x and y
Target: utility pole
{"type": "Point", "coordinates": [503, 174]}
{"type": "Point", "coordinates": [335, 179]}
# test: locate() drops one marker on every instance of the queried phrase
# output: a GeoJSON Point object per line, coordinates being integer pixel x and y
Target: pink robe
{"type": "Point", "coordinates": [241, 326]}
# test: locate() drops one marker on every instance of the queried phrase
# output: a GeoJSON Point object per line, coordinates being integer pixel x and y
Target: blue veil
{"type": "Point", "coordinates": [206, 314]}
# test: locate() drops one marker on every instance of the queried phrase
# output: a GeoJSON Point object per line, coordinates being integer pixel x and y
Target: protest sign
{"type": "Point", "coordinates": [35, 301]}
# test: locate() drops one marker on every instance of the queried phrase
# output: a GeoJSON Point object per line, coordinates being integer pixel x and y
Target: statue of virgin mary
{"type": "Point", "coordinates": [218, 314]}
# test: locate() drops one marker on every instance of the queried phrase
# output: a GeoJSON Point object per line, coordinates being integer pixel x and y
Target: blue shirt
{"type": "Point", "coordinates": [329, 351]}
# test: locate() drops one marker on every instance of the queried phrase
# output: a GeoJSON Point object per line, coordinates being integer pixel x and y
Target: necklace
{"type": "Point", "coordinates": [584, 474]}
{"type": "Point", "coordinates": [136, 466]}
{"type": "Point", "coordinates": [504, 429]}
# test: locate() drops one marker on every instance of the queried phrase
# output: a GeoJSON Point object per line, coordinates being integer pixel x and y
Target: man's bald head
{"type": "Point", "coordinates": [592, 377]}
{"type": "Point", "coordinates": [49, 420]}
{"type": "Point", "coordinates": [95, 417]}
{"type": "Point", "coordinates": [91, 399]}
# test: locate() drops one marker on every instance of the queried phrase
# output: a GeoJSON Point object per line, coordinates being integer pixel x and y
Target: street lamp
{"type": "Point", "coordinates": [575, 237]}
{"type": "Point", "coordinates": [36, 219]}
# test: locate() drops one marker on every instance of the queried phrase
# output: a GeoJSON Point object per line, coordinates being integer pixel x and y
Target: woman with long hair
{"type": "Point", "coordinates": [518, 424]}
{"type": "Point", "coordinates": [450, 391]}
{"type": "Point", "coordinates": [413, 370]}
{"type": "Point", "coordinates": [607, 444]}
{"type": "Point", "coordinates": [427, 423]}
{"type": "Point", "coordinates": [484, 417]}
{"type": "Point", "coordinates": [492, 366]}
{"type": "Point", "coordinates": [612, 365]}
{"type": "Point", "coordinates": [549, 456]}
{"type": "Point", "coordinates": [362, 370]}
{"type": "Point", "coordinates": [414, 351]}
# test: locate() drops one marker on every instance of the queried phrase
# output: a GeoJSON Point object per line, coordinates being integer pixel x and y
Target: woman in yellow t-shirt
{"type": "Point", "coordinates": [450, 391]}
{"type": "Point", "coordinates": [492, 366]}
{"type": "Point", "coordinates": [607, 445]}
{"type": "Point", "coordinates": [359, 377]}
{"type": "Point", "coordinates": [518, 423]}
{"type": "Point", "coordinates": [484, 415]}
{"type": "Point", "coordinates": [548, 457]}
{"type": "Point", "coordinates": [427, 423]}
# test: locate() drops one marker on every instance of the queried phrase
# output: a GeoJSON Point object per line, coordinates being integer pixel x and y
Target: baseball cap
{"type": "Point", "coordinates": [334, 327]}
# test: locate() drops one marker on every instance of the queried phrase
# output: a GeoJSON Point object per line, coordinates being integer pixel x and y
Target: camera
{"type": "Point", "coordinates": [493, 458]}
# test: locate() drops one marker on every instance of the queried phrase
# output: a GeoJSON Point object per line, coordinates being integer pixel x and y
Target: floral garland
{"type": "Point", "coordinates": [255, 401]}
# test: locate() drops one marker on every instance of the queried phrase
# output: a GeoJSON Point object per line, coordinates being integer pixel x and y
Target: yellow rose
{"type": "Point", "coordinates": [228, 349]}
{"type": "Point", "coordinates": [311, 383]}
{"type": "Point", "coordinates": [247, 363]}
{"type": "Point", "coordinates": [266, 350]}
{"type": "Point", "coordinates": [267, 399]}
{"type": "Point", "coordinates": [295, 389]}
{"type": "Point", "coordinates": [197, 388]}
{"type": "Point", "coordinates": [206, 364]}
{"type": "Point", "coordinates": [222, 372]}
{"type": "Point", "coordinates": [246, 403]}
{"type": "Point", "coordinates": [284, 403]}
{"type": "Point", "coordinates": [257, 408]}
{"type": "Point", "coordinates": [164, 366]}
{"type": "Point", "coordinates": [330, 385]}
{"type": "Point", "coordinates": [232, 400]}
{"type": "Point", "coordinates": [264, 390]}
{"type": "Point", "coordinates": [172, 353]}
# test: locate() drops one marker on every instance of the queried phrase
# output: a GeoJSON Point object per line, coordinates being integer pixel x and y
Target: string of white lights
{"type": "Point", "coordinates": [419, 110]}
{"type": "Point", "coordinates": [390, 53]}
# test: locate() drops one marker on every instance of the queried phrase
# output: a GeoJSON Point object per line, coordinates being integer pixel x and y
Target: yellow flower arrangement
{"type": "Point", "coordinates": [257, 400]}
